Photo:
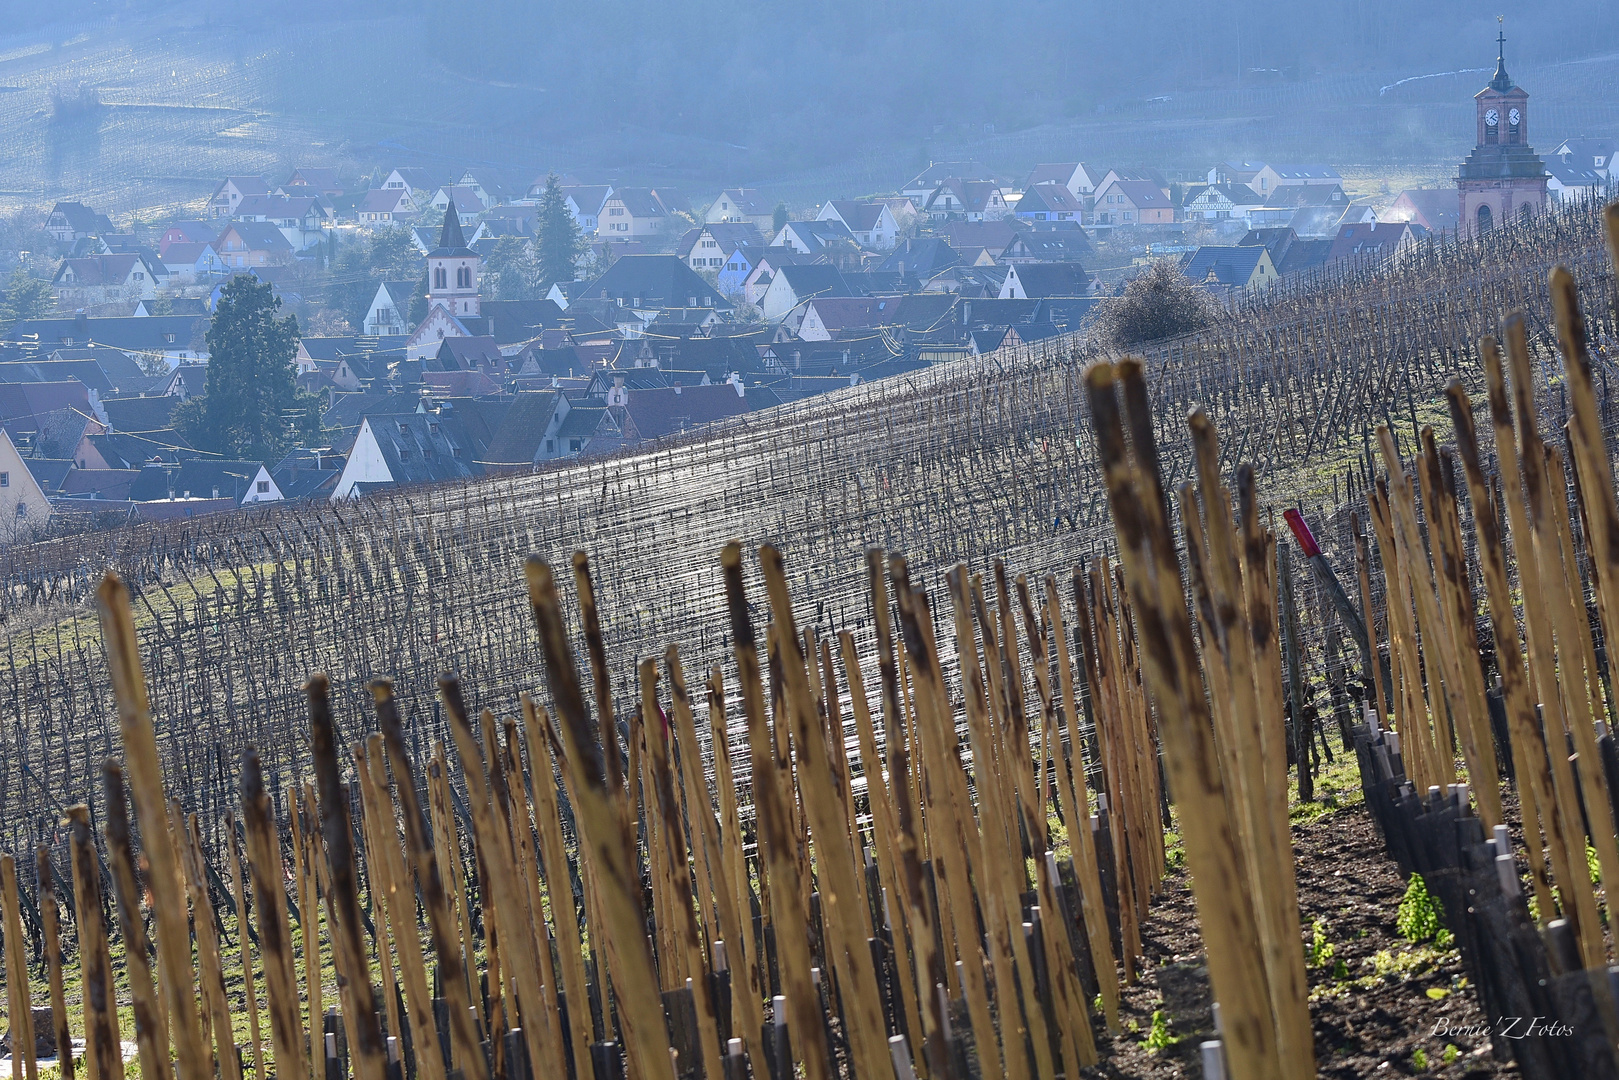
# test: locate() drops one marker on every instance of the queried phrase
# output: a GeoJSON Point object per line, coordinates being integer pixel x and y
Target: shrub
{"type": "Point", "coordinates": [1419, 916]}
{"type": "Point", "coordinates": [1162, 303]}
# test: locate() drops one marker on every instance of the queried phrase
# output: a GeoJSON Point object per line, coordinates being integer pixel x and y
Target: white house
{"type": "Point", "coordinates": [188, 263]}
{"type": "Point", "coordinates": [390, 309]}
{"type": "Point", "coordinates": [262, 489]}
{"type": "Point", "coordinates": [872, 224]}
{"type": "Point", "coordinates": [104, 279]}
{"type": "Point", "coordinates": [24, 509]}
{"type": "Point", "coordinates": [381, 207]}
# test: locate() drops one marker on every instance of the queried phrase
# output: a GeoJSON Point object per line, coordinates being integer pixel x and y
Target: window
{"type": "Point", "coordinates": [5, 479]}
{"type": "Point", "coordinates": [463, 277]}
{"type": "Point", "coordinates": [264, 487]}
{"type": "Point", "coordinates": [441, 280]}
{"type": "Point", "coordinates": [573, 447]}
{"type": "Point", "coordinates": [22, 510]}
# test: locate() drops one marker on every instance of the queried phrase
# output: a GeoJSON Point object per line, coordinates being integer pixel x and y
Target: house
{"type": "Point", "coordinates": [827, 318]}
{"type": "Point", "coordinates": [1289, 253]}
{"type": "Point", "coordinates": [1435, 209]}
{"type": "Point", "coordinates": [1150, 176]}
{"type": "Point", "coordinates": [231, 191]}
{"type": "Point", "coordinates": [956, 199]}
{"type": "Point", "coordinates": [632, 213]}
{"type": "Point", "coordinates": [743, 204]}
{"type": "Point", "coordinates": [1049, 202]}
{"type": "Point", "coordinates": [189, 263]}
{"type": "Point", "coordinates": [660, 412]}
{"type": "Point", "coordinates": [70, 222]}
{"type": "Point", "coordinates": [307, 474]}
{"type": "Point", "coordinates": [411, 180]}
{"type": "Point", "coordinates": [244, 245]}
{"type": "Point", "coordinates": [389, 312]}
{"type": "Point", "coordinates": [1038, 281]}
{"type": "Point", "coordinates": [709, 246]}
{"type": "Point", "coordinates": [1594, 154]}
{"type": "Point", "coordinates": [313, 181]}
{"type": "Point", "coordinates": [174, 337]}
{"type": "Point", "coordinates": [792, 285]}
{"type": "Point", "coordinates": [1133, 202]}
{"type": "Point", "coordinates": [24, 509]}
{"type": "Point", "coordinates": [585, 202]}
{"type": "Point", "coordinates": [302, 219]}
{"type": "Point", "coordinates": [468, 203]}
{"type": "Point", "coordinates": [1569, 179]}
{"type": "Point", "coordinates": [408, 448]}
{"type": "Point", "coordinates": [527, 434]}
{"type": "Point", "coordinates": [991, 237]}
{"type": "Point", "coordinates": [1375, 242]}
{"type": "Point", "coordinates": [1230, 269]}
{"type": "Point", "coordinates": [1265, 179]}
{"type": "Point", "coordinates": [813, 237]}
{"type": "Point", "coordinates": [104, 279]}
{"type": "Point", "coordinates": [243, 482]}
{"type": "Point", "coordinates": [186, 232]}
{"type": "Point", "coordinates": [1222, 202]}
{"type": "Point", "coordinates": [921, 257]}
{"type": "Point", "coordinates": [1040, 242]}
{"type": "Point", "coordinates": [871, 224]}
{"type": "Point", "coordinates": [654, 282]}
{"type": "Point", "coordinates": [922, 186]}
{"type": "Point", "coordinates": [1079, 178]}
{"type": "Point", "coordinates": [382, 207]}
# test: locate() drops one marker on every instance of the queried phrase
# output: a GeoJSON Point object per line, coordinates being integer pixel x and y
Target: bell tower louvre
{"type": "Point", "coordinates": [1503, 175]}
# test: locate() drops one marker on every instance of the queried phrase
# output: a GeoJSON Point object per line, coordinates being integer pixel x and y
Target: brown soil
{"type": "Point", "coordinates": [1365, 1025]}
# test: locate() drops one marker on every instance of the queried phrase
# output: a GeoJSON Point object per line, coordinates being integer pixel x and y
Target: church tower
{"type": "Point", "coordinates": [452, 270]}
{"type": "Point", "coordinates": [1503, 175]}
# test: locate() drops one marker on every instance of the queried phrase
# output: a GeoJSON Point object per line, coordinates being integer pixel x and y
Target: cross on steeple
{"type": "Point", "coordinates": [1502, 80]}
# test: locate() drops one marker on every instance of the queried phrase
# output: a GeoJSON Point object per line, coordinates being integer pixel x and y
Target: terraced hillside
{"type": "Point", "coordinates": [962, 461]}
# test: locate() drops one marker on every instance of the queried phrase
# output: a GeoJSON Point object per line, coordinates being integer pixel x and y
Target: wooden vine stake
{"type": "Point", "coordinates": [1232, 932]}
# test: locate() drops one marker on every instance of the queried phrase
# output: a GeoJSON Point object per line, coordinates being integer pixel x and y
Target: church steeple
{"type": "Point", "coordinates": [1502, 81]}
{"type": "Point", "coordinates": [450, 236]}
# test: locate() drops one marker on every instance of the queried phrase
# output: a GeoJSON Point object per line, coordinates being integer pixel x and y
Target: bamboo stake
{"type": "Point", "coordinates": [103, 1053]}
{"type": "Point", "coordinates": [18, 1000]}
{"type": "Point", "coordinates": [249, 985]}
{"type": "Point", "coordinates": [49, 919]}
{"type": "Point", "coordinates": [1573, 878]}
{"type": "Point", "coordinates": [1230, 932]}
{"type": "Point", "coordinates": [275, 936]}
{"type": "Point", "coordinates": [209, 966]}
{"type": "Point", "coordinates": [151, 1033]}
{"type": "Point", "coordinates": [309, 928]}
{"type": "Point", "coordinates": [679, 868]}
{"type": "Point", "coordinates": [745, 989]}
{"type": "Point", "coordinates": [389, 868]}
{"type": "Point", "coordinates": [493, 835]}
{"type": "Point", "coordinates": [430, 886]}
{"type": "Point", "coordinates": [553, 855]}
{"type": "Point", "coordinates": [774, 819]}
{"type": "Point", "coordinates": [640, 1011]}
{"type": "Point", "coordinates": [146, 785]}
{"type": "Point", "coordinates": [1076, 808]}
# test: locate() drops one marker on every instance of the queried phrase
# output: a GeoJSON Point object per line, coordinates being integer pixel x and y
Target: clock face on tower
{"type": "Point", "coordinates": [1492, 118]}
{"type": "Point", "coordinates": [1513, 116]}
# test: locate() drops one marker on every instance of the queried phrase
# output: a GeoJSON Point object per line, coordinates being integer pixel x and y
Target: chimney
{"type": "Point", "coordinates": [677, 388]}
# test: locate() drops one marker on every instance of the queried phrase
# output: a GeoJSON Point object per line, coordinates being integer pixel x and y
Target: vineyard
{"type": "Point", "coordinates": [971, 675]}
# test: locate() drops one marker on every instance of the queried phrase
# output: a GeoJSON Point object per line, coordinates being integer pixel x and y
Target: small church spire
{"type": "Point", "coordinates": [1502, 80]}
{"type": "Point", "coordinates": [450, 236]}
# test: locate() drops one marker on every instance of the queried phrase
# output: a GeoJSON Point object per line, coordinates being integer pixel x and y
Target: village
{"type": "Point", "coordinates": [453, 323]}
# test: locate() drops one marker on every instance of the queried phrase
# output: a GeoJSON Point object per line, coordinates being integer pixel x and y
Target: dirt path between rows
{"type": "Point", "coordinates": [1376, 1002]}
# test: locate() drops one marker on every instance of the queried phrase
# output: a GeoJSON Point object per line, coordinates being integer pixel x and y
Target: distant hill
{"type": "Point", "coordinates": [141, 104]}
